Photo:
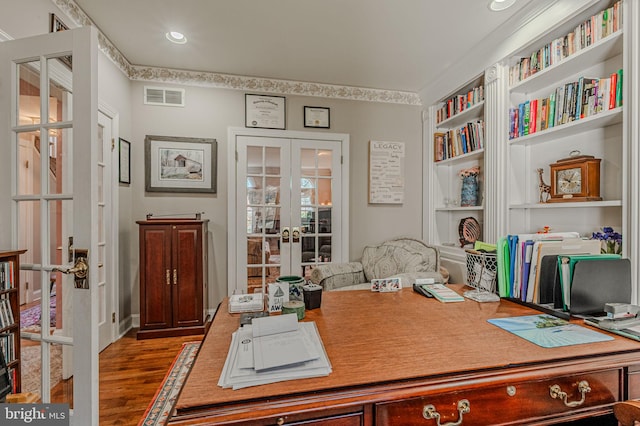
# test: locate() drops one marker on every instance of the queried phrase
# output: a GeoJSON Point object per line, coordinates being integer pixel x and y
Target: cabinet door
{"type": "Point", "coordinates": [156, 278]}
{"type": "Point", "coordinates": [187, 279]}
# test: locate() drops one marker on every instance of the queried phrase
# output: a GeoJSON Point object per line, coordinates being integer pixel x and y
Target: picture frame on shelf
{"type": "Point", "coordinates": [265, 111]}
{"type": "Point", "coordinates": [317, 117]}
{"type": "Point", "coordinates": [124, 156]}
{"type": "Point", "coordinates": [179, 164]}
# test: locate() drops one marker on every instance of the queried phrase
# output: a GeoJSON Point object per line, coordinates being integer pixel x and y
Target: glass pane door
{"type": "Point", "coordinates": [49, 101]}
{"type": "Point", "coordinates": [313, 194]}
{"type": "Point", "coordinates": [44, 141]}
{"type": "Point", "coordinates": [286, 208]}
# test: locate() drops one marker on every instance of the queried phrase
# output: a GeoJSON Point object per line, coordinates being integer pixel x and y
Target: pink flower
{"type": "Point", "coordinates": [473, 171]}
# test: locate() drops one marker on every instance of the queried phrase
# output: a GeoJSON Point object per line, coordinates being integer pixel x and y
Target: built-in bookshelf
{"type": "Point", "coordinates": [10, 314]}
{"type": "Point", "coordinates": [578, 78]}
{"type": "Point", "coordinates": [457, 143]}
{"type": "Point", "coordinates": [566, 98]}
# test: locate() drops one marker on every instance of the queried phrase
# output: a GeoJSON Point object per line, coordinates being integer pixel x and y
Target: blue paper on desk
{"type": "Point", "coordinates": [549, 331]}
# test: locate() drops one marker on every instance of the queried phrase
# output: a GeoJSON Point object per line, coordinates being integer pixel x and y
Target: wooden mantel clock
{"type": "Point", "coordinates": [576, 178]}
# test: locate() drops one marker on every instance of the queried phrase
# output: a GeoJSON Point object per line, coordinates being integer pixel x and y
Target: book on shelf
{"type": "Point", "coordinates": [7, 345]}
{"type": "Point", "coordinates": [585, 34]}
{"type": "Point", "coordinates": [6, 275]}
{"type": "Point", "coordinates": [6, 313]}
{"type": "Point", "coordinates": [459, 103]}
{"type": "Point", "coordinates": [458, 141]}
{"type": "Point", "coordinates": [572, 101]}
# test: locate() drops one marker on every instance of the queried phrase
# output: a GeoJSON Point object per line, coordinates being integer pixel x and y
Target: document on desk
{"type": "Point", "coordinates": [254, 360]}
{"type": "Point", "coordinates": [278, 341]}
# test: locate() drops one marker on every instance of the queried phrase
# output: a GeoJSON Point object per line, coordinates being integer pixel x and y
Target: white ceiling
{"type": "Point", "coordinates": [381, 44]}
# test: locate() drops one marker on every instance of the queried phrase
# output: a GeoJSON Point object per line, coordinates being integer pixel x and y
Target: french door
{"type": "Point", "coordinates": [48, 92]}
{"type": "Point", "coordinates": [289, 206]}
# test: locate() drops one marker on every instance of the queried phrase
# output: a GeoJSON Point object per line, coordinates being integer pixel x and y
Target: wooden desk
{"type": "Point", "coordinates": [393, 354]}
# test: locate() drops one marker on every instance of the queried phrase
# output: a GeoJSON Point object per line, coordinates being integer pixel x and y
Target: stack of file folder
{"type": "Point", "coordinates": [561, 272]}
{"type": "Point", "coordinates": [274, 349]}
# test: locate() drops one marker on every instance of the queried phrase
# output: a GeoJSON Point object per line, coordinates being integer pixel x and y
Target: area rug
{"type": "Point", "coordinates": [31, 316]}
{"type": "Point", "coordinates": [31, 357]}
{"type": "Point", "coordinates": [165, 398]}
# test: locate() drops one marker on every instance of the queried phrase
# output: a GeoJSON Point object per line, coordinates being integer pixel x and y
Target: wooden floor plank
{"type": "Point", "coordinates": [131, 371]}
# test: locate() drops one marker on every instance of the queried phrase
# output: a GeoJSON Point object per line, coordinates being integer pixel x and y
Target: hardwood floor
{"type": "Point", "coordinates": [130, 373]}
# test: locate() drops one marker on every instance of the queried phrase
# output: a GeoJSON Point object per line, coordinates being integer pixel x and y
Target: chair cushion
{"type": "Point", "coordinates": [402, 255]}
{"type": "Point", "coordinates": [334, 275]}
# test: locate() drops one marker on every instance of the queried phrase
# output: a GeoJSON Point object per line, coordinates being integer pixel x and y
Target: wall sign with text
{"type": "Point", "coordinates": [386, 172]}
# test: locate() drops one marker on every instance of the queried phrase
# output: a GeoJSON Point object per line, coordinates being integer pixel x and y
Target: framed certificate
{"type": "Point", "coordinates": [265, 112]}
{"type": "Point", "coordinates": [316, 117]}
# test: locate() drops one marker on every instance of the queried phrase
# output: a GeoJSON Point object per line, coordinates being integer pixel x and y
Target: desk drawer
{"type": "Point", "coordinates": [519, 402]}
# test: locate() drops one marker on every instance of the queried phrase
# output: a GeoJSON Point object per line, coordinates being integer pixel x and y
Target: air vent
{"type": "Point", "coordinates": [162, 96]}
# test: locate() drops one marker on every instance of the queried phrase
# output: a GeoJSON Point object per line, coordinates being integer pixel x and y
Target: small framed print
{"type": "Point", "coordinates": [316, 117]}
{"type": "Point", "coordinates": [125, 162]}
{"type": "Point", "coordinates": [265, 112]}
{"type": "Point", "coordinates": [386, 285]}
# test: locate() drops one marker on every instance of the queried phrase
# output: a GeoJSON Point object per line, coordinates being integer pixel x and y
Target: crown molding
{"type": "Point", "coordinates": [229, 81]}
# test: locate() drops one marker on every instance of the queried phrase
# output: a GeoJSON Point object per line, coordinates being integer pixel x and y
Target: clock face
{"type": "Point", "coordinates": [569, 181]}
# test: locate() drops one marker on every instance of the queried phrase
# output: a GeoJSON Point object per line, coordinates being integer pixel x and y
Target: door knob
{"type": "Point", "coordinates": [79, 270]}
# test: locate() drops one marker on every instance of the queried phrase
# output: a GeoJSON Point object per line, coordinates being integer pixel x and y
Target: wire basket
{"type": "Point", "coordinates": [482, 276]}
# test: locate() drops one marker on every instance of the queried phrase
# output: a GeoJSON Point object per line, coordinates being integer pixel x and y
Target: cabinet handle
{"type": "Point", "coordinates": [175, 277]}
{"type": "Point", "coordinates": [583, 388]}
{"type": "Point", "coordinates": [429, 412]}
{"type": "Point", "coordinates": [168, 277]}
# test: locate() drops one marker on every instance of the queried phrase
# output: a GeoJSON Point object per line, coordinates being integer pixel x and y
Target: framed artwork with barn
{"type": "Point", "coordinates": [177, 164]}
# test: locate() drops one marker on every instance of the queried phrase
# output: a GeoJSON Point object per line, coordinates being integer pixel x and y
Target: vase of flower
{"type": "Point", "coordinates": [469, 191]}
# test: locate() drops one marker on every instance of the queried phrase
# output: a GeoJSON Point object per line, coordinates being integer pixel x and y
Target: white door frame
{"type": "Point", "coordinates": [233, 133]}
{"type": "Point", "coordinates": [112, 267]}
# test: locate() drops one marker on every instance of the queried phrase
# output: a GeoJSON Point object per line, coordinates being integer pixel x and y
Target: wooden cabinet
{"type": "Point", "coordinates": [10, 313]}
{"type": "Point", "coordinates": [173, 277]}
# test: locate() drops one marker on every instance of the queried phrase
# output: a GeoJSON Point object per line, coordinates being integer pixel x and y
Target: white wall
{"type": "Point", "coordinates": [209, 112]}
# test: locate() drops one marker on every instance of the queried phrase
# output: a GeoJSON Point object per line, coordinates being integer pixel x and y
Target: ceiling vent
{"type": "Point", "coordinates": [162, 96]}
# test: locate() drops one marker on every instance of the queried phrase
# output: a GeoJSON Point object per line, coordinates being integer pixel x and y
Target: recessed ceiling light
{"type": "Point", "coordinates": [176, 37]}
{"type": "Point", "coordinates": [498, 5]}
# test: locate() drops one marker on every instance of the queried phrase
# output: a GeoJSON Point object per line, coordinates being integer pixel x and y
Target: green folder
{"type": "Point", "coordinates": [503, 267]}
{"type": "Point", "coordinates": [566, 265]}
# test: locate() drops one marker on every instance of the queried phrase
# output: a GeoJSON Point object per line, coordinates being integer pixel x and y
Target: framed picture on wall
{"type": "Point", "coordinates": [265, 112]}
{"type": "Point", "coordinates": [316, 117]}
{"type": "Point", "coordinates": [177, 164]}
{"type": "Point", "coordinates": [124, 150]}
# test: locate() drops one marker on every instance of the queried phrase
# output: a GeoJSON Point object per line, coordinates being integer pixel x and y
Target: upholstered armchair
{"type": "Point", "coordinates": [406, 258]}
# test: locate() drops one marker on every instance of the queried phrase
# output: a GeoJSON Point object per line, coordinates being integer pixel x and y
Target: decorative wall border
{"type": "Point", "coordinates": [228, 81]}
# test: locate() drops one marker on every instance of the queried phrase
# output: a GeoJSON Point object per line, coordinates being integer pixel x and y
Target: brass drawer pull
{"type": "Point", "coordinates": [429, 412]}
{"type": "Point", "coordinates": [168, 277]}
{"type": "Point", "coordinates": [583, 388]}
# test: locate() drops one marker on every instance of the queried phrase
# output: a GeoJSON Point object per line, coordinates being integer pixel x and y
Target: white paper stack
{"type": "Point", "coordinates": [273, 349]}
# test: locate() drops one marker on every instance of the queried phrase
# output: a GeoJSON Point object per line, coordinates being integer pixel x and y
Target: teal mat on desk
{"type": "Point", "coordinates": [549, 331]}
